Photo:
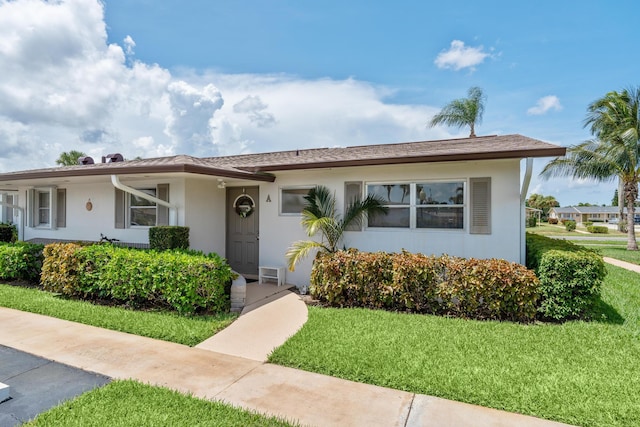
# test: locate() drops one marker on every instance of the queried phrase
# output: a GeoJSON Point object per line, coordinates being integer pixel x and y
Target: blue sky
{"type": "Point", "coordinates": [148, 78]}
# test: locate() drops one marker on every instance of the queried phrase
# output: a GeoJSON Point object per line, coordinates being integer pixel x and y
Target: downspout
{"type": "Point", "coordinates": [523, 198]}
{"type": "Point", "coordinates": [22, 217]}
{"type": "Point", "coordinates": [173, 209]}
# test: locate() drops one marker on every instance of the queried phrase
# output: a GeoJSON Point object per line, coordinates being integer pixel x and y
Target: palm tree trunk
{"type": "Point", "coordinates": [620, 204]}
{"type": "Point", "coordinates": [631, 194]}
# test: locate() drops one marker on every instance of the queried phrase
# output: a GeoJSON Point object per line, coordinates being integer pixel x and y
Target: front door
{"type": "Point", "coordinates": [243, 229]}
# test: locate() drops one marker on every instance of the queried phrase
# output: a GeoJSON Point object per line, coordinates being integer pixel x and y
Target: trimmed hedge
{"type": "Point", "coordinates": [468, 288]}
{"type": "Point", "coordinates": [570, 225]}
{"type": "Point", "coordinates": [552, 220]}
{"type": "Point", "coordinates": [570, 276]}
{"type": "Point", "coordinates": [187, 282]}
{"type": "Point", "coordinates": [598, 229]}
{"type": "Point", "coordinates": [166, 237]}
{"type": "Point", "coordinates": [20, 261]}
{"type": "Point", "coordinates": [8, 233]}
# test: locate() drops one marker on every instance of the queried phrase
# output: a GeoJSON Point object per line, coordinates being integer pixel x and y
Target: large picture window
{"type": "Point", "coordinates": [420, 205]}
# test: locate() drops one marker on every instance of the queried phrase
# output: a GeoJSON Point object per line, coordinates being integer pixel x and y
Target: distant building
{"type": "Point", "coordinates": [581, 214]}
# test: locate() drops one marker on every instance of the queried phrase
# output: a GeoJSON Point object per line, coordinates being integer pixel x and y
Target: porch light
{"type": "Point", "coordinates": [221, 184]}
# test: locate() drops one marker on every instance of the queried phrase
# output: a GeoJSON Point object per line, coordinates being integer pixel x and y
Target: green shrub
{"type": "Point", "coordinates": [532, 221]}
{"type": "Point", "coordinates": [168, 237]}
{"type": "Point", "coordinates": [553, 220]}
{"type": "Point", "coordinates": [570, 225]}
{"type": "Point", "coordinates": [598, 229]}
{"type": "Point", "coordinates": [469, 288]}
{"type": "Point", "coordinates": [185, 282]}
{"type": "Point", "coordinates": [8, 233]}
{"type": "Point", "coordinates": [570, 276]}
{"type": "Point", "coordinates": [587, 223]}
{"type": "Point", "coordinates": [20, 261]}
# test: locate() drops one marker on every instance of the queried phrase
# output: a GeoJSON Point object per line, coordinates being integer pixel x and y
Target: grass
{"type": "Point", "coordinates": [621, 253]}
{"type": "Point", "coordinates": [129, 403]}
{"type": "Point", "coordinates": [584, 373]}
{"type": "Point", "coordinates": [166, 326]}
{"type": "Point", "coordinates": [560, 231]}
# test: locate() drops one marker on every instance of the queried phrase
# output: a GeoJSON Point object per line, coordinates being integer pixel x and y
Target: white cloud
{"type": "Point", "coordinates": [459, 56]}
{"type": "Point", "coordinates": [544, 104]}
{"type": "Point", "coordinates": [129, 45]}
{"type": "Point", "coordinates": [190, 123]}
{"type": "Point", "coordinates": [63, 87]}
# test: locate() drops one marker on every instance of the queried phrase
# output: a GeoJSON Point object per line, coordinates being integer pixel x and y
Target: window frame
{"type": "Point", "coordinates": [55, 209]}
{"type": "Point", "coordinates": [413, 206]}
{"type": "Point", "coordinates": [151, 204]}
{"type": "Point", "coordinates": [282, 189]}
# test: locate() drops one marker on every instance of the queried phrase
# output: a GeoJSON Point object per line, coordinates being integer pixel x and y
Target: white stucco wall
{"type": "Point", "coordinates": [205, 215]}
{"type": "Point", "coordinates": [277, 232]}
{"type": "Point", "coordinates": [82, 224]}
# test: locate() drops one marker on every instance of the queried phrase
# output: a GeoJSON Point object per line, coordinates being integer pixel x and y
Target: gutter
{"type": "Point", "coordinates": [523, 197]}
{"type": "Point", "coordinates": [22, 217]}
{"type": "Point", "coordinates": [173, 209]}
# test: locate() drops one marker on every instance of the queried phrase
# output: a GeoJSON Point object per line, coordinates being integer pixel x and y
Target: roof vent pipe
{"type": "Point", "coordinates": [85, 160]}
{"type": "Point", "coordinates": [115, 157]}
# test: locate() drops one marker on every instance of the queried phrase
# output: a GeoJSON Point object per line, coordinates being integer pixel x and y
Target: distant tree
{"type": "Point", "coordinates": [69, 158]}
{"type": "Point", "coordinates": [585, 204]}
{"type": "Point", "coordinates": [614, 201]}
{"type": "Point", "coordinates": [544, 203]}
{"type": "Point", "coordinates": [462, 112]}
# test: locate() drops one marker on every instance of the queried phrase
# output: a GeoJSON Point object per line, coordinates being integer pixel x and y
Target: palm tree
{"type": "Point", "coordinates": [69, 158]}
{"type": "Point", "coordinates": [614, 120]}
{"type": "Point", "coordinates": [462, 112]}
{"type": "Point", "coordinates": [320, 216]}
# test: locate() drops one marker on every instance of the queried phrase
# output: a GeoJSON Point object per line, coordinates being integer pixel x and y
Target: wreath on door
{"type": "Point", "coordinates": [244, 205]}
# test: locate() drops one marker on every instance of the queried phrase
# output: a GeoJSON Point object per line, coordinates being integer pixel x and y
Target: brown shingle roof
{"type": "Point", "coordinates": [258, 167]}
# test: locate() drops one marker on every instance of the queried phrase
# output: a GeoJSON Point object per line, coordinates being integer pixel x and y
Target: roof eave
{"type": "Point", "coordinates": [520, 154]}
{"type": "Point", "coordinates": [133, 170]}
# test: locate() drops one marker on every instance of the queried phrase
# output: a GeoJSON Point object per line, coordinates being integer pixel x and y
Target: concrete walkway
{"type": "Point", "coordinates": [311, 399]}
{"type": "Point", "coordinates": [623, 264]}
{"type": "Point", "coordinates": [273, 314]}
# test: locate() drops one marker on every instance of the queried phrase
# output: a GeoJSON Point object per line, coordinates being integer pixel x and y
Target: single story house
{"type": "Point", "coordinates": [581, 214]}
{"type": "Point", "coordinates": [462, 197]}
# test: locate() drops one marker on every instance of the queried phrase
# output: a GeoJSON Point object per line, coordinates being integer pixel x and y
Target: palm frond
{"type": "Point", "coordinates": [300, 250]}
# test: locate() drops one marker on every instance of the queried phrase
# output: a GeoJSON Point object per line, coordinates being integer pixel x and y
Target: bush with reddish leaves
{"type": "Point", "coordinates": [468, 288]}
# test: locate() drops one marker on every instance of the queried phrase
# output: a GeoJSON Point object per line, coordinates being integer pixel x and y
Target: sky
{"type": "Point", "coordinates": [206, 78]}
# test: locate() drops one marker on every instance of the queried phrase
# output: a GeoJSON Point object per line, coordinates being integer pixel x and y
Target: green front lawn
{"type": "Point", "coordinates": [129, 403]}
{"type": "Point", "coordinates": [166, 326]}
{"type": "Point", "coordinates": [584, 373]}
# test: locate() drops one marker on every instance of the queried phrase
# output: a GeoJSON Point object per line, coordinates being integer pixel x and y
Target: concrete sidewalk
{"type": "Point", "coordinates": [623, 264]}
{"type": "Point", "coordinates": [309, 398]}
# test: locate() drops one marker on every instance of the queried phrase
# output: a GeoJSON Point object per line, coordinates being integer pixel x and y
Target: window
{"type": "Point", "coordinates": [47, 207]}
{"type": "Point", "coordinates": [292, 199]}
{"type": "Point", "coordinates": [137, 211]}
{"type": "Point", "coordinates": [142, 212]}
{"type": "Point", "coordinates": [420, 205]}
{"type": "Point", "coordinates": [352, 192]}
{"type": "Point", "coordinates": [8, 213]}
